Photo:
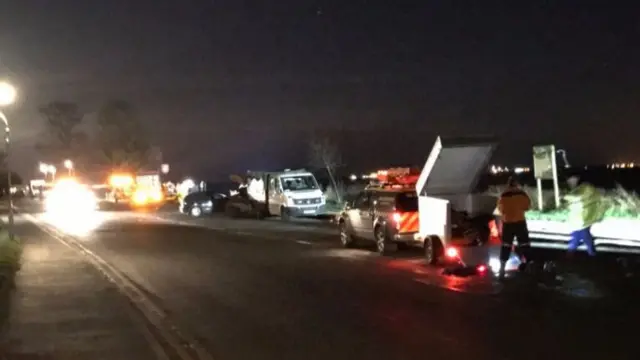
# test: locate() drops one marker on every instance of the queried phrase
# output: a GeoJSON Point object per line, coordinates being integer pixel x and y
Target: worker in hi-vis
{"type": "Point", "coordinates": [512, 206]}
{"type": "Point", "coordinates": [585, 209]}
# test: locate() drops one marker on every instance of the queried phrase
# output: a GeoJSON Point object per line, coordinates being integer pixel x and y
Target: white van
{"type": "Point", "coordinates": [292, 193]}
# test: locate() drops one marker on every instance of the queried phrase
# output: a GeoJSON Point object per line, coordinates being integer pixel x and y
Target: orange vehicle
{"type": "Point", "coordinates": [138, 191]}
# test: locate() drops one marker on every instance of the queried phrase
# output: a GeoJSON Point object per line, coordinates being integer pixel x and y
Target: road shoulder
{"type": "Point", "coordinates": [63, 307]}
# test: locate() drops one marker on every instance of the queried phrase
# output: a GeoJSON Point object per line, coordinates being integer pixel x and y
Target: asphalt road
{"type": "Point", "coordinates": [266, 290]}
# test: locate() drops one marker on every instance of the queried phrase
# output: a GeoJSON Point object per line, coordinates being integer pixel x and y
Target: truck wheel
{"type": "Point", "coordinates": [284, 214]}
{"type": "Point", "coordinates": [346, 239]}
{"type": "Point", "coordinates": [383, 246]}
{"type": "Point", "coordinates": [432, 250]}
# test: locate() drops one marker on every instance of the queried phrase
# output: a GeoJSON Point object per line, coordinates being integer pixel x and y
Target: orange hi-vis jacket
{"type": "Point", "coordinates": [513, 204]}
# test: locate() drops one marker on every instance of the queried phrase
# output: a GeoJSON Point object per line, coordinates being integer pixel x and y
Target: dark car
{"type": "Point", "coordinates": [203, 203]}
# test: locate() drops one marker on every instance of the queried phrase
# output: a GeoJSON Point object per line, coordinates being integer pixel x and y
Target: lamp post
{"type": "Point", "coordinates": [7, 97]}
{"type": "Point", "coordinates": [44, 169]}
{"type": "Point", "coordinates": [68, 164]}
{"type": "Point", "coordinates": [52, 170]}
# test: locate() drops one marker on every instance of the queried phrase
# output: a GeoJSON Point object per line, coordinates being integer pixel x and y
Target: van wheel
{"type": "Point", "coordinates": [432, 250]}
{"type": "Point", "coordinates": [284, 214]}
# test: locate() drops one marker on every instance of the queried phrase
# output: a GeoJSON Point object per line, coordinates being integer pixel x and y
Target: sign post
{"type": "Point", "coordinates": [545, 168]}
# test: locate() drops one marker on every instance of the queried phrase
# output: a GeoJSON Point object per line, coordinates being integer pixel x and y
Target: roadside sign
{"type": "Point", "coordinates": [545, 168]}
{"type": "Point", "coordinates": [543, 160]}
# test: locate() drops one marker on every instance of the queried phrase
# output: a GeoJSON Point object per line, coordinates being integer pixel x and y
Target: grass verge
{"type": "Point", "coordinates": [10, 262]}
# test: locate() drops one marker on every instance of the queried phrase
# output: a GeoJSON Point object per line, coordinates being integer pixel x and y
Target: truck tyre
{"type": "Point", "coordinates": [432, 250]}
{"type": "Point", "coordinates": [383, 245]}
{"type": "Point", "coordinates": [346, 239]}
{"type": "Point", "coordinates": [284, 214]}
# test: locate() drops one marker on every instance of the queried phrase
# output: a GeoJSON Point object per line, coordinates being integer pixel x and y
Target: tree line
{"type": "Point", "coordinates": [118, 141]}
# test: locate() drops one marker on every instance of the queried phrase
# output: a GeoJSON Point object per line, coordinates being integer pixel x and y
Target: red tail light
{"type": "Point", "coordinates": [452, 253]}
{"type": "Point", "coordinates": [482, 269]}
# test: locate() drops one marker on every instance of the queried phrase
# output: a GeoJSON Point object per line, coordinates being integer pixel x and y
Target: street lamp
{"type": "Point", "coordinates": [7, 97]}
{"type": "Point", "coordinates": [44, 168]}
{"type": "Point", "coordinates": [48, 169]}
{"type": "Point", "coordinates": [68, 164]}
{"type": "Point", "coordinates": [52, 170]}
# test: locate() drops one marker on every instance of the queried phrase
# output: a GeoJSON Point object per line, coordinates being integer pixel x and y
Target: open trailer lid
{"type": "Point", "coordinates": [455, 165]}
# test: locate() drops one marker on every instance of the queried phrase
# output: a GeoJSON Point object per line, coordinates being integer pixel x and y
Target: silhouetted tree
{"type": "Point", "coordinates": [61, 139]}
{"type": "Point", "coordinates": [122, 140]}
{"type": "Point", "coordinates": [325, 154]}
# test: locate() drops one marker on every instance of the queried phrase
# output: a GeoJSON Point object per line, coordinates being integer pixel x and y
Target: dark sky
{"type": "Point", "coordinates": [229, 84]}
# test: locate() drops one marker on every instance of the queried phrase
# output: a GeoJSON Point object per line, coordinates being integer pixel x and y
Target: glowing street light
{"type": "Point", "coordinates": [68, 164]}
{"type": "Point", "coordinates": [7, 94]}
{"type": "Point", "coordinates": [52, 170]}
{"type": "Point", "coordinates": [7, 97]}
{"type": "Point", "coordinates": [48, 169]}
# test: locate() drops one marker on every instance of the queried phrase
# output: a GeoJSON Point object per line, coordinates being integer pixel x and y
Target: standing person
{"type": "Point", "coordinates": [585, 209]}
{"type": "Point", "coordinates": [512, 206]}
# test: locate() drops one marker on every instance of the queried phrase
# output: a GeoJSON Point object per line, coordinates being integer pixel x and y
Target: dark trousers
{"type": "Point", "coordinates": [582, 236]}
{"type": "Point", "coordinates": [511, 231]}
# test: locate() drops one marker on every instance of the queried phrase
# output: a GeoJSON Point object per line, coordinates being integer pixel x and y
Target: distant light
{"type": "Point", "coordinates": [164, 168]}
{"type": "Point", "coordinates": [353, 177]}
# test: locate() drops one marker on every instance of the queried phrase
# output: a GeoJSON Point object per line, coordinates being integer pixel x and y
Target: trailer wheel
{"type": "Point", "coordinates": [432, 250]}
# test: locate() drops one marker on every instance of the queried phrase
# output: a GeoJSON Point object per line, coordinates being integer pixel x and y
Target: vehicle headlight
{"type": "Point", "coordinates": [157, 196]}
{"type": "Point", "coordinates": [139, 197]}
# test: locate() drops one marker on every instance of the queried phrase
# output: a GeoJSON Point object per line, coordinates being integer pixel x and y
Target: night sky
{"type": "Point", "coordinates": [228, 85]}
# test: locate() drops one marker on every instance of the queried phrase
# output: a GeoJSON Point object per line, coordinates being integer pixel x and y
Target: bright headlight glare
{"type": "Point", "coordinates": [140, 197]}
{"type": "Point", "coordinates": [157, 196]}
{"type": "Point", "coordinates": [70, 198]}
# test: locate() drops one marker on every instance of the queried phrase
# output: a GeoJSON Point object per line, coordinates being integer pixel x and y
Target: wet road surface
{"type": "Point", "coordinates": [251, 290]}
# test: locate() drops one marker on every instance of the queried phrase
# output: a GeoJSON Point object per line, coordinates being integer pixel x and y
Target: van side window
{"type": "Point", "coordinates": [273, 188]}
